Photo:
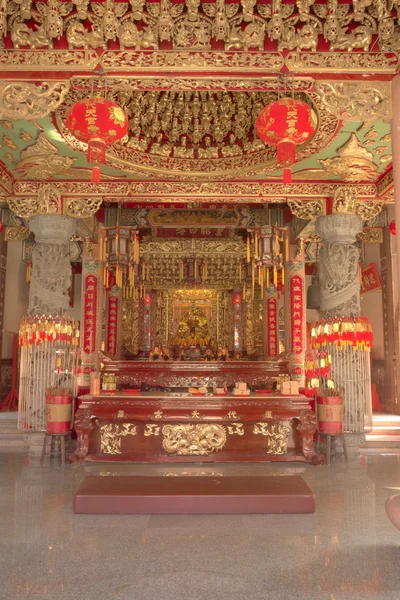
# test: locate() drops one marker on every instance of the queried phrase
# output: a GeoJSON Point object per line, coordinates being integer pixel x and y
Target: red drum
{"type": "Point", "coordinates": [330, 414]}
{"type": "Point", "coordinates": [58, 413]}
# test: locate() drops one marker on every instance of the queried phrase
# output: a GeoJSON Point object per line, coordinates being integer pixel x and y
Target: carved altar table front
{"type": "Point", "coordinates": [183, 428]}
{"type": "Point", "coordinates": [173, 374]}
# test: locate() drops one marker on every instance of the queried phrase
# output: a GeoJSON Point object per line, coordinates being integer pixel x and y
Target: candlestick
{"type": "Point", "coordinates": [252, 279]}
{"type": "Point", "coordinates": [287, 246]}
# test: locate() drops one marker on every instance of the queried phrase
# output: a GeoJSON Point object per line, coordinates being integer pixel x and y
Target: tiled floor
{"type": "Point", "coordinates": [348, 550]}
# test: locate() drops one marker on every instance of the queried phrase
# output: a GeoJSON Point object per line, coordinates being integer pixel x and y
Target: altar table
{"type": "Point", "coordinates": [177, 374]}
{"type": "Point", "coordinates": [179, 427]}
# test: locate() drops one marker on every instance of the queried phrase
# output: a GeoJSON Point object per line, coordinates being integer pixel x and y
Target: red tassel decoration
{"type": "Point", "coordinates": [287, 175]}
{"type": "Point", "coordinates": [286, 153]}
{"type": "Point", "coordinates": [96, 174]}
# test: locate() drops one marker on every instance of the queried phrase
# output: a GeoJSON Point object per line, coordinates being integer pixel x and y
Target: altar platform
{"type": "Point", "coordinates": [180, 427]}
{"type": "Point", "coordinates": [127, 495]}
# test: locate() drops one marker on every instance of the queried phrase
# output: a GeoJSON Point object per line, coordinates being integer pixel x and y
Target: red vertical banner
{"type": "Point", "coordinates": [90, 314]}
{"type": "Point", "coordinates": [112, 324]}
{"type": "Point", "coordinates": [272, 323]}
{"type": "Point", "coordinates": [296, 313]}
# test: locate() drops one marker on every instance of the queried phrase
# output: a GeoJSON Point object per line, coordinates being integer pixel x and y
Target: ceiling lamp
{"type": "Point", "coordinates": [98, 122]}
{"type": "Point", "coordinates": [286, 123]}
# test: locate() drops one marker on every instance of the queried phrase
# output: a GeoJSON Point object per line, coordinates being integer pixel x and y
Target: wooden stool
{"type": "Point", "coordinates": [57, 440]}
{"type": "Point", "coordinates": [330, 437]}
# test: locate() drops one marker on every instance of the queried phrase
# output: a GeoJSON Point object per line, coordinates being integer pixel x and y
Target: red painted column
{"type": "Point", "coordinates": [91, 312]}
{"type": "Point", "coordinates": [113, 322]}
{"type": "Point", "coordinates": [271, 323]}
{"type": "Point", "coordinates": [295, 313]}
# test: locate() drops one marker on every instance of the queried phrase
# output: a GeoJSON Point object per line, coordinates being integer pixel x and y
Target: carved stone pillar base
{"type": "Point", "coordinates": [354, 441]}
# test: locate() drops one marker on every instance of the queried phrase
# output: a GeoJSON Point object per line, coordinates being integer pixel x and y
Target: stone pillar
{"type": "Point", "coordinates": [339, 264]}
{"type": "Point", "coordinates": [51, 268]}
{"type": "Point", "coordinates": [295, 313]}
{"type": "Point", "coordinates": [340, 297]}
{"type": "Point", "coordinates": [91, 311]}
{"type": "Point", "coordinates": [48, 296]}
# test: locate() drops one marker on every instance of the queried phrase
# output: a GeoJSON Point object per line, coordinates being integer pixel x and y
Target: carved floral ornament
{"type": "Point", "coordinates": [346, 202]}
{"type": "Point", "coordinates": [260, 192]}
{"type": "Point", "coordinates": [49, 201]}
{"type": "Point", "coordinates": [30, 101]}
{"type": "Point", "coordinates": [195, 25]}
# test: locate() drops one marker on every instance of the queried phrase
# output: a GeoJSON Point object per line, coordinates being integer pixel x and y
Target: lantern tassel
{"type": "Point", "coordinates": [286, 153]}
{"type": "Point", "coordinates": [287, 175]}
{"type": "Point", "coordinates": [96, 174]}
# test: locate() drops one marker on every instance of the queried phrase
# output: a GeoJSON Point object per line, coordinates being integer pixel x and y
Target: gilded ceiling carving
{"type": "Point", "coordinates": [48, 201]}
{"type": "Point", "coordinates": [164, 258]}
{"type": "Point", "coordinates": [357, 101]}
{"type": "Point", "coordinates": [306, 210]}
{"type": "Point", "coordinates": [341, 62]}
{"type": "Point", "coordinates": [41, 160]}
{"type": "Point", "coordinates": [195, 134]}
{"type": "Point", "coordinates": [371, 235]}
{"type": "Point", "coordinates": [16, 234]}
{"type": "Point", "coordinates": [353, 163]}
{"type": "Point", "coordinates": [193, 61]}
{"type": "Point", "coordinates": [30, 101]}
{"type": "Point", "coordinates": [347, 202]}
{"type": "Point", "coordinates": [217, 190]}
{"type": "Point", "coordinates": [385, 184]}
{"type": "Point", "coordinates": [187, 83]}
{"type": "Point", "coordinates": [199, 26]}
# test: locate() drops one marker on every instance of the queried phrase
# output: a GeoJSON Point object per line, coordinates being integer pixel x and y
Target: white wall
{"type": "Point", "coordinates": [16, 295]}
{"type": "Point", "coordinates": [371, 303]}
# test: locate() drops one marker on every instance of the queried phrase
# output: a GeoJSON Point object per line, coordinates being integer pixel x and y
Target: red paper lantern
{"type": "Point", "coordinates": [98, 122]}
{"type": "Point", "coordinates": [392, 227]}
{"type": "Point", "coordinates": [1, 226]}
{"type": "Point", "coordinates": [286, 124]}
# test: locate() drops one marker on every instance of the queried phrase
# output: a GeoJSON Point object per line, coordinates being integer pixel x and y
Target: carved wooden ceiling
{"type": "Point", "coordinates": [192, 77]}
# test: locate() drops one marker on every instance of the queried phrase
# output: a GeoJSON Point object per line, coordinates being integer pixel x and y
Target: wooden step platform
{"type": "Point", "coordinates": [193, 495]}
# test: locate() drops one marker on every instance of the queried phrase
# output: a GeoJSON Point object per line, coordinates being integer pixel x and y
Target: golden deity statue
{"type": "Point", "coordinates": [192, 329]}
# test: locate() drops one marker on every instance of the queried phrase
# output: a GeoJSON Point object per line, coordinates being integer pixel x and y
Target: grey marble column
{"type": "Point", "coordinates": [340, 297]}
{"type": "Point", "coordinates": [51, 267]}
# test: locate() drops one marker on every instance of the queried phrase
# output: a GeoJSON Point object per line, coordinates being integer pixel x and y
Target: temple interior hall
{"type": "Point", "coordinates": [199, 299]}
